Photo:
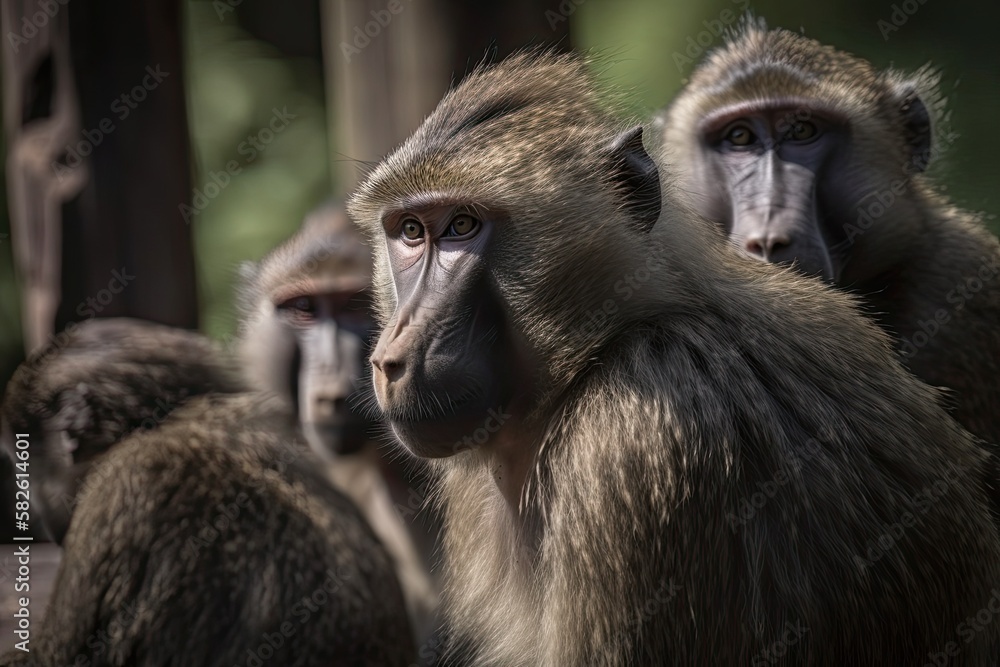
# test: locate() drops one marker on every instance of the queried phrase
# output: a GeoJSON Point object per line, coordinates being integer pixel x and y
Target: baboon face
{"type": "Point", "coordinates": [785, 143]}
{"type": "Point", "coordinates": [309, 325]}
{"type": "Point", "coordinates": [770, 159]}
{"type": "Point", "coordinates": [331, 329]}
{"type": "Point", "coordinates": [442, 362]}
{"type": "Point", "coordinates": [491, 261]}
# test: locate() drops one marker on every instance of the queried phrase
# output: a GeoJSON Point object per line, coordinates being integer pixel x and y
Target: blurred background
{"type": "Point", "coordinates": [152, 147]}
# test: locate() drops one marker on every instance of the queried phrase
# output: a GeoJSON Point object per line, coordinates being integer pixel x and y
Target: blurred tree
{"type": "Point", "coordinates": [96, 124]}
{"type": "Point", "coordinates": [388, 62]}
{"type": "Point", "coordinates": [41, 115]}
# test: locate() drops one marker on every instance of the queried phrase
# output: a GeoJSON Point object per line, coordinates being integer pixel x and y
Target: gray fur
{"type": "Point", "coordinates": [327, 254]}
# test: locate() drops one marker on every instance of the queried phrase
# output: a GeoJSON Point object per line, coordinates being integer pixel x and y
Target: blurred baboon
{"type": "Point", "coordinates": [196, 529]}
{"type": "Point", "coordinates": [572, 350]}
{"type": "Point", "coordinates": [305, 336]}
{"type": "Point", "coordinates": [806, 154]}
{"type": "Point", "coordinates": [307, 323]}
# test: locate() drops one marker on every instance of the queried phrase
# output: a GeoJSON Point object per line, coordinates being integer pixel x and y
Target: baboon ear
{"type": "Point", "coordinates": [916, 128]}
{"type": "Point", "coordinates": [637, 176]}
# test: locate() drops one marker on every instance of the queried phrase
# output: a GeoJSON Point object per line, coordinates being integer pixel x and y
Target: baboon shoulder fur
{"type": "Point", "coordinates": [203, 536]}
{"type": "Point", "coordinates": [733, 467]}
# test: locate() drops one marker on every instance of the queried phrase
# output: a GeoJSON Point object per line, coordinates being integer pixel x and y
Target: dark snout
{"type": "Point", "coordinates": [775, 217]}
{"type": "Point", "coordinates": [333, 423]}
{"type": "Point", "coordinates": [437, 376]}
{"type": "Point", "coordinates": [331, 378]}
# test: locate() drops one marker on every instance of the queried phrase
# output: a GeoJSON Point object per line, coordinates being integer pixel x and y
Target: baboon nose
{"type": "Point", "coordinates": [392, 367]}
{"type": "Point", "coordinates": [765, 247]}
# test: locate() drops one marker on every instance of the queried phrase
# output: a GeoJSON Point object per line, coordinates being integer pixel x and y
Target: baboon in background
{"type": "Point", "coordinates": [307, 323]}
{"type": "Point", "coordinates": [534, 281]}
{"type": "Point", "coordinates": [305, 336]}
{"type": "Point", "coordinates": [196, 529]}
{"type": "Point", "coordinates": [809, 155]}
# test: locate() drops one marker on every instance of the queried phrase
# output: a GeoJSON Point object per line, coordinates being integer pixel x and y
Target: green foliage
{"type": "Point", "coordinates": [235, 84]}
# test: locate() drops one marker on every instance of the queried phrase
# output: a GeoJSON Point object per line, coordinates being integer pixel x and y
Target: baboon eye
{"type": "Point", "coordinates": [740, 136]}
{"type": "Point", "coordinates": [412, 229]}
{"type": "Point", "coordinates": [462, 225]}
{"type": "Point", "coordinates": [299, 307]}
{"type": "Point", "coordinates": [803, 130]}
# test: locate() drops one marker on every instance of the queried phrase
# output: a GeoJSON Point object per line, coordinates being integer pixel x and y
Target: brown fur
{"type": "Point", "coordinates": [713, 378]}
{"type": "Point", "coordinates": [200, 529]}
{"type": "Point", "coordinates": [910, 263]}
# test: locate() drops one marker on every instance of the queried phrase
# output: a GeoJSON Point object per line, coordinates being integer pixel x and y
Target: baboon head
{"type": "Point", "coordinates": [481, 288]}
{"type": "Point", "coordinates": [802, 153]}
{"type": "Point", "coordinates": [307, 326]}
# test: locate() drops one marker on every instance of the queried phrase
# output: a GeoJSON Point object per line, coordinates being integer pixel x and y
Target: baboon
{"type": "Point", "coordinates": [306, 326]}
{"type": "Point", "coordinates": [806, 154]}
{"type": "Point", "coordinates": [196, 529]}
{"type": "Point", "coordinates": [305, 335]}
{"type": "Point", "coordinates": [655, 485]}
